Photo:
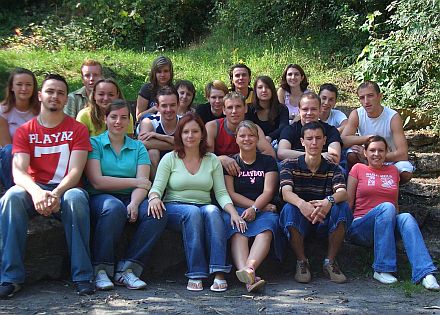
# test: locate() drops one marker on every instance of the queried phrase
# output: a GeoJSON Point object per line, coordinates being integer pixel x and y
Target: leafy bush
{"type": "Point", "coordinates": [55, 34]}
{"type": "Point", "coordinates": [406, 62]}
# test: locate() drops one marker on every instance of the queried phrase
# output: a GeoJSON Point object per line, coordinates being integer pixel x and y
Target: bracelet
{"type": "Point", "coordinates": [255, 208]}
{"type": "Point", "coordinates": [152, 198]}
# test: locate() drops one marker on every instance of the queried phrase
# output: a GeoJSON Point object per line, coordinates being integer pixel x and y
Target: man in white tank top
{"type": "Point", "coordinates": [374, 119]}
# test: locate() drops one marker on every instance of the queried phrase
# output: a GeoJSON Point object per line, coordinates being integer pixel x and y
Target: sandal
{"type": "Point", "coordinates": [194, 285]}
{"type": "Point", "coordinates": [219, 285]}
{"type": "Point", "coordinates": [246, 275]}
{"type": "Point", "coordinates": [257, 285]}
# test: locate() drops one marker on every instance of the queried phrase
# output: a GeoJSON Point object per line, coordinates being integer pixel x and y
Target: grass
{"type": "Point", "coordinates": [202, 62]}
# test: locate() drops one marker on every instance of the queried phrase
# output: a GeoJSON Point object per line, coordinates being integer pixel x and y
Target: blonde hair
{"type": "Point", "coordinates": [252, 127]}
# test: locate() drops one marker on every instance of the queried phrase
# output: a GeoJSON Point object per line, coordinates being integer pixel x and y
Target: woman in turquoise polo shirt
{"type": "Point", "coordinates": [118, 170]}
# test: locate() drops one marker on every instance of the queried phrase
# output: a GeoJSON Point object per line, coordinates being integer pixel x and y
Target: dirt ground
{"type": "Point", "coordinates": [282, 295]}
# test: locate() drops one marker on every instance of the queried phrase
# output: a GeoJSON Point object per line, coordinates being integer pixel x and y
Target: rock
{"type": "Point", "coordinates": [417, 139]}
{"type": "Point", "coordinates": [427, 164]}
{"type": "Point", "coordinates": [46, 250]}
{"type": "Point", "coordinates": [426, 187]}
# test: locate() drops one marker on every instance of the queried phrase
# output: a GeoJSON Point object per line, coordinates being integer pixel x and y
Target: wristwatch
{"type": "Point", "coordinates": [331, 199]}
{"type": "Point", "coordinates": [255, 208]}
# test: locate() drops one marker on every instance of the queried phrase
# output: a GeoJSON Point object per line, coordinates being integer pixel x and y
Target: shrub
{"type": "Point", "coordinates": [406, 61]}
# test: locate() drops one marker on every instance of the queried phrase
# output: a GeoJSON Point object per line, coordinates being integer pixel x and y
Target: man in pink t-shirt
{"type": "Point", "coordinates": [50, 152]}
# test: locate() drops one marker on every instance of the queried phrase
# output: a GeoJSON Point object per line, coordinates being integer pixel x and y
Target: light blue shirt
{"type": "Point", "coordinates": [122, 165]}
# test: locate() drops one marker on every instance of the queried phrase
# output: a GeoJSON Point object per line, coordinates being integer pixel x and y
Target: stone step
{"type": "Point", "coordinates": [427, 164]}
{"type": "Point", "coordinates": [424, 187]}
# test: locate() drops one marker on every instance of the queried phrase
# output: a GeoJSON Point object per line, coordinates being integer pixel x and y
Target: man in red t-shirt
{"type": "Point", "coordinates": [50, 152]}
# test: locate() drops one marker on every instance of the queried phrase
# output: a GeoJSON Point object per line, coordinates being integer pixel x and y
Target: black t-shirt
{"type": "Point", "coordinates": [273, 131]}
{"type": "Point", "coordinates": [250, 180]}
{"type": "Point", "coordinates": [292, 133]}
{"type": "Point", "coordinates": [146, 92]}
{"type": "Point", "coordinates": [204, 111]}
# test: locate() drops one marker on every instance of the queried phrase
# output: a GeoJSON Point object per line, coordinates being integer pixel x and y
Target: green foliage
{"type": "Point", "coordinates": [406, 61]}
{"type": "Point", "coordinates": [281, 19]}
{"type": "Point", "coordinates": [151, 24]}
{"type": "Point", "coordinates": [53, 33]}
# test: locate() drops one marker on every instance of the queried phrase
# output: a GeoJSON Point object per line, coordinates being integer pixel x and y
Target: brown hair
{"type": "Point", "coordinates": [9, 101]}
{"type": "Point", "coordinates": [178, 143]}
{"type": "Point", "coordinates": [304, 82]}
{"type": "Point", "coordinates": [216, 84]}
{"type": "Point", "coordinates": [372, 139]}
{"type": "Point", "coordinates": [97, 114]}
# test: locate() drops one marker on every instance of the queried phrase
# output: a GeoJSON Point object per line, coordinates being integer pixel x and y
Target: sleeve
{"type": "Point", "coordinates": [201, 111]}
{"type": "Point", "coordinates": [283, 121]}
{"type": "Point", "coordinates": [145, 91]}
{"type": "Point", "coordinates": [219, 187]}
{"type": "Point", "coordinates": [84, 118]}
{"type": "Point", "coordinates": [20, 143]}
{"type": "Point", "coordinates": [333, 135]}
{"type": "Point", "coordinates": [143, 157]}
{"type": "Point", "coordinates": [286, 178]}
{"type": "Point", "coordinates": [338, 180]}
{"type": "Point", "coordinates": [270, 164]}
{"type": "Point", "coordinates": [81, 136]}
{"type": "Point", "coordinates": [354, 172]}
{"type": "Point", "coordinates": [286, 133]}
{"type": "Point", "coordinates": [163, 174]}
{"type": "Point", "coordinates": [70, 107]}
{"type": "Point", "coordinates": [95, 153]}
{"type": "Point", "coordinates": [340, 117]}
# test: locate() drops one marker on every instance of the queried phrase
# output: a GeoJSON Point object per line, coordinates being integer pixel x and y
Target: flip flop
{"type": "Point", "coordinates": [219, 285]}
{"type": "Point", "coordinates": [246, 275]}
{"type": "Point", "coordinates": [194, 285]}
{"type": "Point", "coordinates": [257, 285]}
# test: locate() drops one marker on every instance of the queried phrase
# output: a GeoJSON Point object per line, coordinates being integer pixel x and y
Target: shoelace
{"type": "Point", "coordinates": [303, 266]}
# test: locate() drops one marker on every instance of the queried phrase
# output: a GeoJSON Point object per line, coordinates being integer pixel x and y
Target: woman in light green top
{"type": "Point", "coordinates": [93, 115]}
{"type": "Point", "coordinates": [188, 174]}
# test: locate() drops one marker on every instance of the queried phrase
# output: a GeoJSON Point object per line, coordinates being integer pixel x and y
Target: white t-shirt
{"type": "Point", "coordinates": [335, 118]}
{"type": "Point", "coordinates": [15, 118]}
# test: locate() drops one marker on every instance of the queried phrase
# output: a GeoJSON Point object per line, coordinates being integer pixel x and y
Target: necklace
{"type": "Point", "coordinates": [40, 121]}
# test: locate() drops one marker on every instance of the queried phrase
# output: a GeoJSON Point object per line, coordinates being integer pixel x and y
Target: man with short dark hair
{"type": "Point", "coordinates": [315, 194]}
{"type": "Point", "coordinates": [328, 93]}
{"type": "Point", "coordinates": [373, 119]}
{"type": "Point", "coordinates": [157, 131]}
{"type": "Point", "coordinates": [50, 152]}
{"type": "Point", "coordinates": [91, 72]}
{"type": "Point", "coordinates": [290, 144]}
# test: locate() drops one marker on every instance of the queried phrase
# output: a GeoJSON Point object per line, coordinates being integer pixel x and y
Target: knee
{"type": "Point", "coordinates": [405, 177]}
{"type": "Point", "coordinates": [211, 211]}
{"type": "Point", "coordinates": [406, 219]}
{"type": "Point", "coordinates": [193, 216]}
{"type": "Point", "coordinates": [12, 202]}
{"type": "Point", "coordinates": [154, 155]}
{"type": "Point", "coordinates": [76, 202]}
{"type": "Point", "coordinates": [265, 236]}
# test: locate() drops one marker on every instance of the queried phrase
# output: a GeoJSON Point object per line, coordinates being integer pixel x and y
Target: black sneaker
{"type": "Point", "coordinates": [8, 289]}
{"type": "Point", "coordinates": [85, 287]}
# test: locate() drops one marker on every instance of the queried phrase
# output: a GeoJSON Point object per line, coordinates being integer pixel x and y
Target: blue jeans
{"type": "Point", "coordinates": [291, 217]}
{"type": "Point", "coordinates": [16, 208]}
{"type": "Point", "coordinates": [6, 166]}
{"type": "Point", "coordinates": [379, 227]}
{"type": "Point", "coordinates": [109, 217]}
{"type": "Point", "coordinates": [204, 236]}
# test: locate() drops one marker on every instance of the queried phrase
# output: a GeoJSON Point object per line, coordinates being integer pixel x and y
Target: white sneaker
{"type": "Point", "coordinates": [129, 280]}
{"type": "Point", "coordinates": [430, 283]}
{"type": "Point", "coordinates": [102, 282]}
{"type": "Point", "coordinates": [384, 277]}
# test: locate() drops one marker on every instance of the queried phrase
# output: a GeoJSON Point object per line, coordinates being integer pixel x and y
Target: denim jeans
{"type": "Point", "coordinates": [109, 217]}
{"type": "Point", "coordinates": [6, 166]}
{"type": "Point", "coordinates": [204, 236]}
{"type": "Point", "coordinates": [291, 216]}
{"type": "Point", "coordinates": [379, 227]}
{"type": "Point", "coordinates": [16, 208]}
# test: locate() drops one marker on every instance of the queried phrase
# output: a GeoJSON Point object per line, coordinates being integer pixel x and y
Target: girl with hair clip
{"type": "Point", "coordinates": [253, 192]}
{"type": "Point", "coordinates": [93, 115]}
{"type": "Point", "coordinates": [266, 111]}
{"type": "Point", "coordinates": [20, 105]}
{"type": "Point", "coordinates": [293, 85]}
{"type": "Point", "coordinates": [161, 74]}
{"type": "Point", "coordinates": [187, 93]}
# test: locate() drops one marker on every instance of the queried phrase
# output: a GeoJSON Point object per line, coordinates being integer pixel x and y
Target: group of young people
{"type": "Point", "coordinates": [253, 169]}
